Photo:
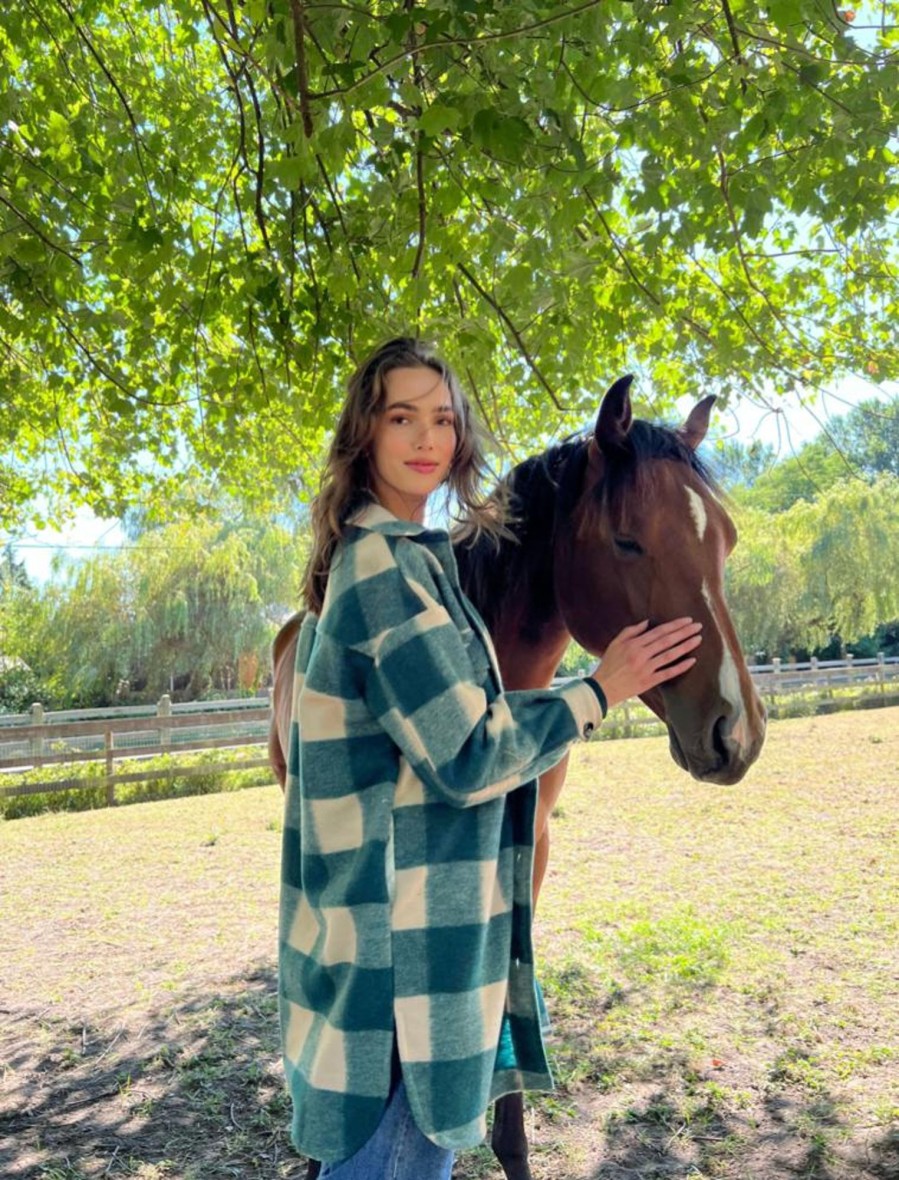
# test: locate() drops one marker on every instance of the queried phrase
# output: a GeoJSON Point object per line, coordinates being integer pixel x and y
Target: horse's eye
{"type": "Point", "coordinates": [628, 547]}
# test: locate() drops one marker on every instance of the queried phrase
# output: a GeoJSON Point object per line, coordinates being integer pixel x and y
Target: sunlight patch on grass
{"type": "Point", "coordinates": [674, 948]}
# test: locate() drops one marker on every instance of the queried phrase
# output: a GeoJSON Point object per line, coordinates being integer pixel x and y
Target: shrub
{"type": "Point", "coordinates": [20, 687]}
{"type": "Point", "coordinates": [201, 773]}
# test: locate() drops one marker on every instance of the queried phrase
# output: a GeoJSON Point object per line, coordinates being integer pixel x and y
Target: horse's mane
{"type": "Point", "coordinates": [546, 488]}
{"type": "Point", "coordinates": [528, 499]}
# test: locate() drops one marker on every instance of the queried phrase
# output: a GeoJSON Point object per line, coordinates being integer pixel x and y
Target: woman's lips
{"type": "Point", "coordinates": [426, 468]}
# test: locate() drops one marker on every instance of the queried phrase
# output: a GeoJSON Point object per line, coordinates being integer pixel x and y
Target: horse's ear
{"type": "Point", "coordinates": [696, 427]}
{"type": "Point", "coordinates": [615, 416]}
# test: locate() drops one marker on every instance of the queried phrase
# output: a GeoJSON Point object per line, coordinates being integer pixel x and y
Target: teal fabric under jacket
{"type": "Point", "coordinates": [408, 849]}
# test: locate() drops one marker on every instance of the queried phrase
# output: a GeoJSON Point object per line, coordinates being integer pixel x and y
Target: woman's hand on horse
{"type": "Point", "coordinates": [640, 657]}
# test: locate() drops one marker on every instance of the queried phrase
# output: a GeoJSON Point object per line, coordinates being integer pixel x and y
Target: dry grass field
{"type": "Point", "coordinates": [721, 964]}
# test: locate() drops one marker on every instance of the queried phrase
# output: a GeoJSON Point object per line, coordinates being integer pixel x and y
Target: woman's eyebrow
{"type": "Point", "coordinates": [447, 409]}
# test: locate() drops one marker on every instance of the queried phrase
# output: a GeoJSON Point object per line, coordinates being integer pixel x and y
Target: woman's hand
{"type": "Point", "coordinates": [640, 657]}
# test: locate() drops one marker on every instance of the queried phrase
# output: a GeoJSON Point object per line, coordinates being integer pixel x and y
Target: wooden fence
{"type": "Point", "coordinates": [788, 689]}
{"type": "Point", "coordinates": [37, 739]}
{"type": "Point", "coordinates": [825, 676]}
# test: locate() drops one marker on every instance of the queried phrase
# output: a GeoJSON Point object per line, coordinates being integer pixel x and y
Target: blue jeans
{"type": "Point", "coordinates": [396, 1151]}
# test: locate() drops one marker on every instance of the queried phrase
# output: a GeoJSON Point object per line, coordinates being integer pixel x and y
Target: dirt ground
{"type": "Point", "coordinates": [722, 969]}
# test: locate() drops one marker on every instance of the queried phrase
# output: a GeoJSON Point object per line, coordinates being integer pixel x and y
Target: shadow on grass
{"type": "Point", "coordinates": [800, 1138]}
{"type": "Point", "coordinates": [194, 1090]}
{"type": "Point", "coordinates": [641, 1098]}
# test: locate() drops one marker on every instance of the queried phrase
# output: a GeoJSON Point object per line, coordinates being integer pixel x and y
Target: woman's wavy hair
{"type": "Point", "coordinates": [345, 484]}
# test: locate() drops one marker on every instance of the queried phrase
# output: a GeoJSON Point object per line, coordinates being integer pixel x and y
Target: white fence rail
{"type": "Point", "coordinates": [37, 739]}
{"type": "Point", "coordinates": [787, 689]}
{"type": "Point", "coordinates": [779, 677]}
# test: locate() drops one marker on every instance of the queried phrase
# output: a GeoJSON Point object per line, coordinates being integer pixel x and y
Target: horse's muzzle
{"type": "Point", "coordinates": [724, 754]}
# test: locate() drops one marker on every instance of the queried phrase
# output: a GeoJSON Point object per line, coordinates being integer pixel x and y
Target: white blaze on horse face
{"type": "Point", "coordinates": [737, 728]}
{"type": "Point", "coordinates": [697, 511]}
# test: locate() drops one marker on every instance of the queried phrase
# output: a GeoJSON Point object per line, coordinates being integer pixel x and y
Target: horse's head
{"type": "Point", "coordinates": [643, 536]}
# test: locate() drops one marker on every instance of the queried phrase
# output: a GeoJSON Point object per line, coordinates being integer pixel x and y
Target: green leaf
{"type": "Point", "coordinates": [438, 118]}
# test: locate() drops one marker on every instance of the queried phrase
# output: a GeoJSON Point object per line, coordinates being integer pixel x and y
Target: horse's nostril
{"type": "Point", "coordinates": [719, 742]}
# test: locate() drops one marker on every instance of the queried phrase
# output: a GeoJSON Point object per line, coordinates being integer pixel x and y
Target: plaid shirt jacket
{"type": "Point", "coordinates": [408, 849]}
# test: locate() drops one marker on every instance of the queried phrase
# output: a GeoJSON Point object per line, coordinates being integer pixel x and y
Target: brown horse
{"type": "Point", "coordinates": [606, 529]}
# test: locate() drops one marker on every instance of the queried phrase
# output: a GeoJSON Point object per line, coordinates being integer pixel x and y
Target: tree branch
{"type": "Point", "coordinates": [64, 447]}
{"type": "Point", "coordinates": [260, 368]}
{"type": "Point", "coordinates": [333, 195]}
{"type": "Point", "coordinates": [635, 278]}
{"type": "Point", "coordinates": [316, 295]}
{"type": "Point", "coordinates": [95, 54]}
{"type": "Point", "coordinates": [448, 42]}
{"type": "Point", "coordinates": [516, 335]}
{"type": "Point", "coordinates": [299, 38]}
{"type": "Point", "coordinates": [422, 210]}
{"type": "Point", "coordinates": [208, 279]}
{"type": "Point", "coordinates": [459, 301]}
{"type": "Point", "coordinates": [39, 232]}
{"type": "Point", "coordinates": [12, 351]}
{"type": "Point", "coordinates": [738, 244]}
{"type": "Point", "coordinates": [258, 170]}
{"type": "Point", "coordinates": [419, 154]}
{"type": "Point", "coordinates": [735, 41]}
{"type": "Point", "coordinates": [101, 368]}
{"type": "Point", "coordinates": [740, 314]}
{"type": "Point", "coordinates": [491, 422]}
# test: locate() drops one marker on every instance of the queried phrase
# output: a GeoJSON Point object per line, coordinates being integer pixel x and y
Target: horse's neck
{"type": "Point", "coordinates": [513, 589]}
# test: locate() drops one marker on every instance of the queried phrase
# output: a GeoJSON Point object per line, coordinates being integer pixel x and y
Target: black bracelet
{"type": "Point", "coordinates": [600, 695]}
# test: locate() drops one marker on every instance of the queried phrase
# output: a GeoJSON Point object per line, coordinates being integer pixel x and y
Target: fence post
{"type": "Point", "coordinates": [882, 673]}
{"type": "Point", "coordinates": [109, 745]}
{"type": "Point", "coordinates": [816, 679]}
{"type": "Point", "coordinates": [37, 743]}
{"type": "Point", "coordinates": [163, 711]}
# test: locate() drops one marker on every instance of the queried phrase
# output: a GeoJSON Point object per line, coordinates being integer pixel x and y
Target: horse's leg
{"type": "Point", "coordinates": [509, 1142]}
{"type": "Point", "coordinates": [551, 785]}
{"type": "Point", "coordinates": [284, 653]}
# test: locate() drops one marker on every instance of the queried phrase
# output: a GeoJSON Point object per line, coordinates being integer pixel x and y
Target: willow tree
{"type": "Point", "coordinates": [208, 206]}
{"type": "Point", "coordinates": [190, 607]}
{"type": "Point", "coordinates": [826, 568]}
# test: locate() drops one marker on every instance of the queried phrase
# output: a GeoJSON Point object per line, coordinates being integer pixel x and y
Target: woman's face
{"type": "Point", "coordinates": [414, 441]}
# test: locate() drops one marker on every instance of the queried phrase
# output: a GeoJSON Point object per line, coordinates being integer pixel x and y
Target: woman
{"type": "Point", "coordinates": [408, 838]}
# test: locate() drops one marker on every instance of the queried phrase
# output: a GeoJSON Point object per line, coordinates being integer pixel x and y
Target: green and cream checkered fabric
{"type": "Point", "coordinates": [408, 846]}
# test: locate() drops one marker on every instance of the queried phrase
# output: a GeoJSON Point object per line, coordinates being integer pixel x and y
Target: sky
{"type": "Point", "coordinates": [788, 423]}
{"type": "Point", "coordinates": [785, 425]}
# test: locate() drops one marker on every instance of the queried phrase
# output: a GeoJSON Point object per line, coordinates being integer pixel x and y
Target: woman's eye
{"type": "Point", "coordinates": [628, 546]}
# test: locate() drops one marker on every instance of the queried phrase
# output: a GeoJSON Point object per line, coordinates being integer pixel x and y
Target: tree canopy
{"type": "Point", "coordinates": [210, 208]}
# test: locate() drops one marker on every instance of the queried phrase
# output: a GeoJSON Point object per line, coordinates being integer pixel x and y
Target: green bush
{"type": "Point", "coordinates": [20, 687]}
{"type": "Point", "coordinates": [214, 776]}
